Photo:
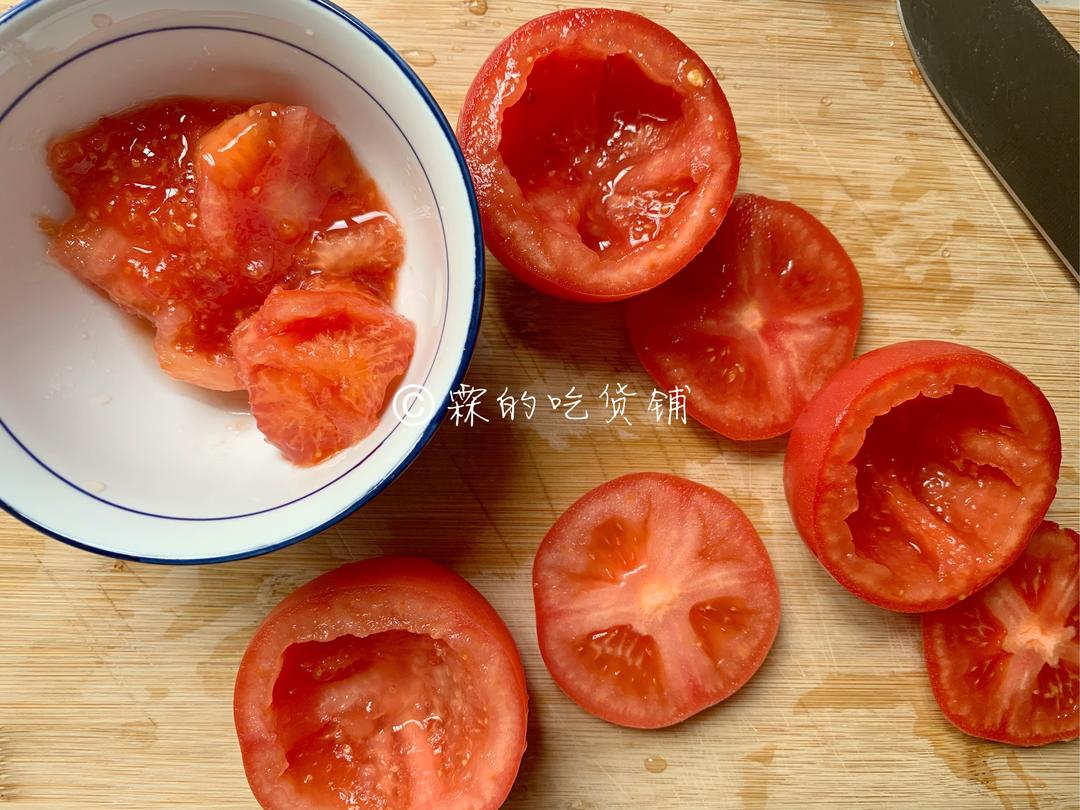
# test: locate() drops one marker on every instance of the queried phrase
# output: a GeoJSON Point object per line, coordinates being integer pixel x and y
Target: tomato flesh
{"type": "Point", "coordinates": [1005, 664]}
{"type": "Point", "coordinates": [756, 324]}
{"type": "Point", "coordinates": [188, 212]}
{"type": "Point", "coordinates": [386, 683]}
{"type": "Point", "coordinates": [603, 153]}
{"type": "Point", "coordinates": [919, 472]}
{"type": "Point", "coordinates": [317, 364]}
{"type": "Point", "coordinates": [655, 599]}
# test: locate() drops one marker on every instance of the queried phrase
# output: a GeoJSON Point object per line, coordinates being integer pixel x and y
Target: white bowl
{"type": "Point", "coordinates": [98, 447]}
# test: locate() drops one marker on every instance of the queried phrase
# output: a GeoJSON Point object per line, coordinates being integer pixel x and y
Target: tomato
{"type": "Point", "coordinates": [1004, 664]}
{"type": "Point", "coordinates": [386, 683]}
{"type": "Point", "coordinates": [918, 473]}
{"type": "Point", "coordinates": [756, 324]}
{"type": "Point", "coordinates": [603, 152]}
{"type": "Point", "coordinates": [188, 212]}
{"type": "Point", "coordinates": [655, 599]}
{"type": "Point", "coordinates": [318, 364]}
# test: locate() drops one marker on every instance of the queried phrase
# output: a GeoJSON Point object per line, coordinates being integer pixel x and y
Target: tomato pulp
{"type": "Point", "coordinates": [603, 152]}
{"type": "Point", "coordinates": [1004, 664]}
{"type": "Point", "coordinates": [258, 247]}
{"type": "Point", "coordinates": [188, 212]}
{"type": "Point", "coordinates": [918, 473]}
{"type": "Point", "coordinates": [655, 599]}
{"type": "Point", "coordinates": [386, 683]}
{"type": "Point", "coordinates": [756, 324]}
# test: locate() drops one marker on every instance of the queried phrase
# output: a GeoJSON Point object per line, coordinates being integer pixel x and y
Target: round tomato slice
{"type": "Point", "coordinates": [655, 599]}
{"type": "Point", "coordinates": [318, 365]}
{"type": "Point", "coordinates": [756, 324]}
{"type": "Point", "coordinates": [918, 473]}
{"type": "Point", "coordinates": [603, 152]}
{"type": "Point", "coordinates": [386, 683]}
{"type": "Point", "coordinates": [1005, 664]}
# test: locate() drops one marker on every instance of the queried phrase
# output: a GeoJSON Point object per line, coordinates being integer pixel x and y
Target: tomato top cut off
{"type": "Point", "coordinates": [1005, 664]}
{"type": "Point", "coordinates": [919, 472]}
{"type": "Point", "coordinates": [655, 599]}
{"type": "Point", "coordinates": [603, 152]}
{"type": "Point", "coordinates": [756, 324]}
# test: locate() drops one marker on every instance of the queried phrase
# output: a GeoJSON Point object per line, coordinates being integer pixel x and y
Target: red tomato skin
{"type": "Point", "coordinates": [941, 688]}
{"type": "Point", "coordinates": [259, 666]}
{"type": "Point", "coordinates": [817, 428]}
{"type": "Point", "coordinates": [479, 135]}
{"type": "Point", "coordinates": [612, 714]}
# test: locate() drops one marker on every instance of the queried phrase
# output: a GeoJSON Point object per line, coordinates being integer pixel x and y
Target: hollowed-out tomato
{"type": "Point", "coordinates": [386, 683]}
{"type": "Point", "coordinates": [756, 324]}
{"type": "Point", "coordinates": [603, 152]}
{"type": "Point", "coordinates": [655, 599]}
{"type": "Point", "coordinates": [1004, 664]}
{"type": "Point", "coordinates": [918, 473]}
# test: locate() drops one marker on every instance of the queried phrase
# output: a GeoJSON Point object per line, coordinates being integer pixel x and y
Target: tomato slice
{"type": "Point", "coordinates": [1005, 664]}
{"type": "Point", "coordinates": [603, 152]}
{"type": "Point", "coordinates": [318, 364]}
{"type": "Point", "coordinates": [918, 473]}
{"type": "Point", "coordinates": [655, 599]}
{"type": "Point", "coordinates": [756, 324]}
{"type": "Point", "coordinates": [386, 683]}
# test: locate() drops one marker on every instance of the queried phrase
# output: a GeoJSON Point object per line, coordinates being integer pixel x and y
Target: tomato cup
{"type": "Point", "coordinates": [919, 472]}
{"type": "Point", "coordinates": [603, 151]}
{"type": "Point", "coordinates": [391, 681]}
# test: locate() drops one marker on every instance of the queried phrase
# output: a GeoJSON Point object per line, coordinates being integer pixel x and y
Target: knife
{"type": "Point", "coordinates": [1011, 84]}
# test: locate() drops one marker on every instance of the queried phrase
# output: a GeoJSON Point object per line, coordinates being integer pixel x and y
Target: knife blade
{"type": "Point", "coordinates": [1011, 84]}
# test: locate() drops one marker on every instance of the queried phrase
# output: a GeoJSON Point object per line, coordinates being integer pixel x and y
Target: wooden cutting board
{"type": "Point", "coordinates": [116, 679]}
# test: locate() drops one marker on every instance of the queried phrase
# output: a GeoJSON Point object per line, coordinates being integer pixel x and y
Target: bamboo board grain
{"type": "Point", "coordinates": [115, 678]}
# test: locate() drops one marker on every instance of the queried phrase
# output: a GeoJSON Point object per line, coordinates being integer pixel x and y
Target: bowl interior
{"type": "Point", "coordinates": [107, 449]}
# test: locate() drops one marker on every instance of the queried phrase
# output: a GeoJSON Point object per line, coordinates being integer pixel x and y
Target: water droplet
{"type": "Point", "coordinates": [946, 253]}
{"type": "Point", "coordinates": [655, 764]}
{"type": "Point", "coordinates": [101, 21]}
{"type": "Point", "coordinates": [418, 58]}
{"type": "Point", "coordinates": [309, 31]}
{"type": "Point", "coordinates": [826, 101]}
{"type": "Point", "coordinates": [477, 7]}
{"type": "Point", "coordinates": [737, 85]}
{"type": "Point", "coordinates": [667, 8]}
{"type": "Point", "coordinates": [95, 487]}
{"type": "Point", "coordinates": [899, 158]}
{"type": "Point", "coordinates": [719, 72]}
{"type": "Point", "coordinates": [101, 399]}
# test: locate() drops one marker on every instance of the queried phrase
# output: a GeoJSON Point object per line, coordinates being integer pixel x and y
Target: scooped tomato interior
{"type": "Point", "coordinates": [919, 472]}
{"type": "Point", "coordinates": [603, 152]}
{"type": "Point", "coordinates": [188, 212]}
{"type": "Point", "coordinates": [387, 683]}
{"type": "Point", "coordinates": [1005, 664]}
{"type": "Point", "coordinates": [582, 143]}
{"type": "Point", "coordinates": [655, 598]}
{"type": "Point", "coordinates": [756, 324]}
{"type": "Point", "coordinates": [317, 364]}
